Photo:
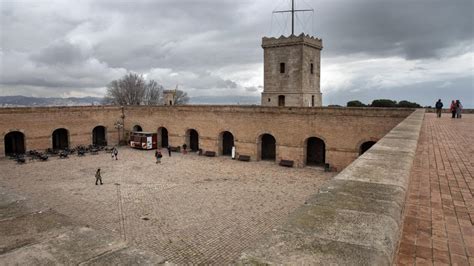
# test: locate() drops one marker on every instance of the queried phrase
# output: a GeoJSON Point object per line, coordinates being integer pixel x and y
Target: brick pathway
{"type": "Point", "coordinates": [439, 217]}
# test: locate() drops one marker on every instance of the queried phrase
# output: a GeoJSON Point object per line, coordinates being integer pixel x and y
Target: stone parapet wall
{"type": "Point", "coordinates": [354, 219]}
{"type": "Point", "coordinates": [268, 42]}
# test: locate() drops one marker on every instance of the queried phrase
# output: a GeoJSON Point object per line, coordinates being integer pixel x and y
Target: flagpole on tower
{"type": "Point", "coordinates": [293, 11]}
{"type": "Point", "coordinates": [292, 17]}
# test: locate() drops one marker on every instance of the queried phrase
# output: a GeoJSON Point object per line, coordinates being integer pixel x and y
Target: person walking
{"type": "Point", "coordinates": [158, 156]}
{"type": "Point", "coordinates": [169, 150]}
{"type": "Point", "coordinates": [115, 152]}
{"type": "Point", "coordinates": [439, 108]}
{"type": "Point", "coordinates": [184, 148]}
{"type": "Point", "coordinates": [452, 108]}
{"type": "Point", "coordinates": [458, 109]}
{"type": "Point", "coordinates": [98, 177]}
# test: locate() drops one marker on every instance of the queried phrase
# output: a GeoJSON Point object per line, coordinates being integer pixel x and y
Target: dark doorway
{"type": "Point", "coordinates": [163, 137]}
{"type": "Point", "coordinates": [281, 100]}
{"type": "Point", "coordinates": [268, 147]}
{"type": "Point", "coordinates": [315, 151]}
{"type": "Point", "coordinates": [193, 139]}
{"type": "Point", "coordinates": [365, 146]}
{"type": "Point", "coordinates": [227, 140]}
{"type": "Point", "coordinates": [14, 143]}
{"type": "Point", "coordinates": [98, 136]}
{"type": "Point", "coordinates": [60, 139]}
{"type": "Point", "coordinates": [137, 128]}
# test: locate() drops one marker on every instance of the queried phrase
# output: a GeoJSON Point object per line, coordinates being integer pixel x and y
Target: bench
{"type": "Point", "coordinates": [244, 158]}
{"type": "Point", "coordinates": [210, 154]}
{"type": "Point", "coordinates": [287, 163]}
{"type": "Point", "coordinates": [175, 149]}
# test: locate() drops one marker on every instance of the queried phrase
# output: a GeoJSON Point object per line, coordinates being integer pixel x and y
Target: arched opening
{"type": "Point", "coordinates": [192, 139]}
{"type": "Point", "coordinates": [14, 143]}
{"type": "Point", "coordinates": [137, 128]}
{"type": "Point", "coordinates": [315, 151]}
{"type": "Point", "coordinates": [60, 139]}
{"type": "Point", "coordinates": [267, 147]}
{"type": "Point", "coordinates": [227, 142]}
{"type": "Point", "coordinates": [365, 146]}
{"type": "Point", "coordinates": [98, 136]}
{"type": "Point", "coordinates": [281, 100]}
{"type": "Point", "coordinates": [162, 137]}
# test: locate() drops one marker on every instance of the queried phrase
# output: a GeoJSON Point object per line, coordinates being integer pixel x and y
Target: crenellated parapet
{"type": "Point", "coordinates": [270, 42]}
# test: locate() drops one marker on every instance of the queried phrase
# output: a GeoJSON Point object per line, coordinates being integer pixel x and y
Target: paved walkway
{"type": "Point", "coordinates": [189, 209]}
{"type": "Point", "coordinates": [439, 217]}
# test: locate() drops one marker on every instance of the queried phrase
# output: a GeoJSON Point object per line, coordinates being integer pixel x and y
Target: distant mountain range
{"type": "Point", "coordinates": [23, 101]}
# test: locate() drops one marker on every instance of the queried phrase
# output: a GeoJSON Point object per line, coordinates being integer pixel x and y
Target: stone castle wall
{"type": "Point", "coordinates": [342, 129]}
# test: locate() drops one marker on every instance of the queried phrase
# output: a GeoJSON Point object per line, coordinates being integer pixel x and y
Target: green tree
{"type": "Point", "coordinates": [383, 103]}
{"type": "Point", "coordinates": [355, 103]}
{"type": "Point", "coordinates": [408, 104]}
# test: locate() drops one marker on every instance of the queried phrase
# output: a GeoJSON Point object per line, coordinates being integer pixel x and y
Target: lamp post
{"type": "Point", "coordinates": [118, 125]}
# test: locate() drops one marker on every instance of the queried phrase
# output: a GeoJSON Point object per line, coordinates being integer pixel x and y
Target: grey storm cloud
{"type": "Point", "coordinates": [210, 46]}
{"type": "Point", "coordinates": [412, 29]}
{"type": "Point", "coordinates": [60, 53]}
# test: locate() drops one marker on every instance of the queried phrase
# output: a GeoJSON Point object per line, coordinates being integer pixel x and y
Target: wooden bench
{"type": "Point", "coordinates": [287, 163]}
{"type": "Point", "coordinates": [244, 158]}
{"type": "Point", "coordinates": [175, 149]}
{"type": "Point", "coordinates": [210, 154]}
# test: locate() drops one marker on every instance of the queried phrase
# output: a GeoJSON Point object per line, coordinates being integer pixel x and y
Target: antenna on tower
{"type": "Point", "coordinates": [293, 11]}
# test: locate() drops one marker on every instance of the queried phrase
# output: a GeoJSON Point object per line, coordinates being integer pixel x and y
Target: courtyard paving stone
{"type": "Point", "coordinates": [189, 209]}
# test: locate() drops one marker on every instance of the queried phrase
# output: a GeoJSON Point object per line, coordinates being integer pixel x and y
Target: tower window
{"type": "Point", "coordinates": [312, 68]}
{"type": "Point", "coordinates": [282, 68]}
{"type": "Point", "coordinates": [269, 99]}
{"type": "Point", "coordinates": [312, 99]}
{"type": "Point", "coordinates": [281, 100]}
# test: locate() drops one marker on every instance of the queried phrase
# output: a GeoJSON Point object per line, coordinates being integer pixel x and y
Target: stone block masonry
{"type": "Point", "coordinates": [356, 218]}
{"type": "Point", "coordinates": [342, 130]}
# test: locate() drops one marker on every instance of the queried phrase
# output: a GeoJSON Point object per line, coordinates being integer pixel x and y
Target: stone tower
{"type": "Point", "coordinates": [168, 97]}
{"type": "Point", "coordinates": [292, 70]}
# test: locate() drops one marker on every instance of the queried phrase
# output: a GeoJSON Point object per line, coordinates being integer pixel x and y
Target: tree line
{"type": "Point", "coordinates": [133, 89]}
{"type": "Point", "coordinates": [384, 103]}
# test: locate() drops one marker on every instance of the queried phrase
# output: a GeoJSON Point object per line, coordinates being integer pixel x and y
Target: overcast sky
{"type": "Point", "coordinates": [417, 50]}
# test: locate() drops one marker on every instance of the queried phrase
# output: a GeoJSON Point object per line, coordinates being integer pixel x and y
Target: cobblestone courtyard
{"type": "Point", "coordinates": [189, 209]}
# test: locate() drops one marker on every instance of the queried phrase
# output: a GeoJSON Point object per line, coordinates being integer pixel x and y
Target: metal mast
{"type": "Point", "coordinates": [293, 11]}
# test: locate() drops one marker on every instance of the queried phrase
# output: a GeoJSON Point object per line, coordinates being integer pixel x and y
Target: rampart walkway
{"type": "Point", "coordinates": [439, 216]}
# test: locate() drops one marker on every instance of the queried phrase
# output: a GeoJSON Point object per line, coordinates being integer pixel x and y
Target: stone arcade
{"type": "Point", "coordinates": [307, 136]}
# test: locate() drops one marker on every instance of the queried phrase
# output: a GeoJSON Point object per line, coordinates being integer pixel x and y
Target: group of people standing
{"type": "Point", "coordinates": [455, 108]}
